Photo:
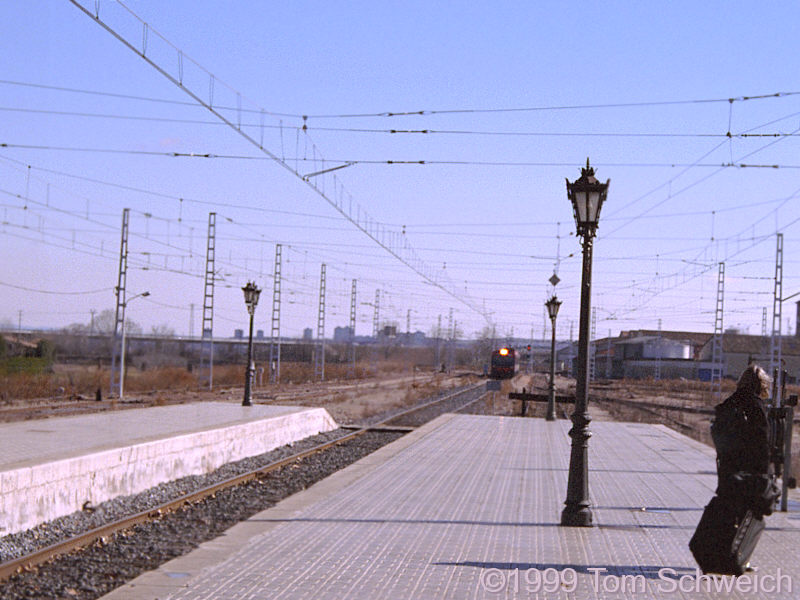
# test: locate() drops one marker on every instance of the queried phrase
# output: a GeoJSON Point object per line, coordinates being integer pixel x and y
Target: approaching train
{"type": "Point", "coordinates": [503, 364]}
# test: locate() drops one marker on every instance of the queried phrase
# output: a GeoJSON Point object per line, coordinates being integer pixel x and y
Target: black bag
{"type": "Point", "coordinates": [758, 492]}
{"type": "Point", "coordinates": [725, 537]}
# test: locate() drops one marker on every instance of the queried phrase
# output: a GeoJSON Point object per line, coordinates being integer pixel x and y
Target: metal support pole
{"type": "Point", "coordinates": [319, 362]}
{"type": "Point", "coordinates": [718, 365]}
{"type": "Point", "coordinates": [530, 354]}
{"type": "Point", "coordinates": [577, 513]}
{"type": "Point", "coordinates": [353, 329]}
{"type": "Point", "coordinates": [248, 377]}
{"type": "Point", "coordinates": [787, 458]}
{"type": "Point", "coordinates": [450, 337]}
{"type": "Point", "coordinates": [122, 349]}
{"type": "Point", "coordinates": [207, 331]}
{"type": "Point", "coordinates": [775, 361]}
{"type": "Point", "coordinates": [275, 322]}
{"type": "Point", "coordinates": [120, 290]}
{"type": "Point", "coordinates": [658, 353]}
{"type": "Point", "coordinates": [122, 359]}
{"type": "Point", "coordinates": [439, 344]}
{"type": "Point", "coordinates": [593, 347]}
{"type": "Point", "coordinates": [551, 387]}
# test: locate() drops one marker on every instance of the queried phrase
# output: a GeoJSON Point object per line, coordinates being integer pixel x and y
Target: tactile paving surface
{"type": "Point", "coordinates": [472, 508]}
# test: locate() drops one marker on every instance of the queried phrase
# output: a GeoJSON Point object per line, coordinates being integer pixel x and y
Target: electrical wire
{"type": "Point", "coordinates": [485, 163]}
{"type": "Point", "coordinates": [53, 292]}
{"type": "Point", "coordinates": [458, 132]}
{"type": "Point", "coordinates": [731, 100]}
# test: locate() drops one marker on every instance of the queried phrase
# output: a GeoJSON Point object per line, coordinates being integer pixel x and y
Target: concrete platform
{"type": "Point", "coordinates": [469, 507]}
{"type": "Point", "coordinates": [50, 468]}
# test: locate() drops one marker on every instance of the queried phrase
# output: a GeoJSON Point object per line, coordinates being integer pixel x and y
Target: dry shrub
{"type": "Point", "coordinates": [66, 383]}
{"type": "Point", "coordinates": [164, 378]}
{"type": "Point", "coordinates": [229, 375]}
{"type": "Point", "coordinates": [82, 382]}
{"type": "Point", "coordinates": [25, 385]}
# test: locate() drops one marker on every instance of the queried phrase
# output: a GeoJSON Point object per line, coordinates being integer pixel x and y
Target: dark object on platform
{"type": "Point", "coordinates": [746, 491]}
{"type": "Point", "coordinates": [725, 538]}
{"type": "Point", "coordinates": [98, 395]}
{"type": "Point", "coordinates": [780, 420]}
{"type": "Point", "coordinates": [531, 397]}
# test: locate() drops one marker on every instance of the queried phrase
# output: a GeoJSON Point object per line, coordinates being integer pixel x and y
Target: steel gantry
{"type": "Point", "coordinates": [658, 353]}
{"type": "Point", "coordinates": [439, 343]}
{"type": "Point", "coordinates": [450, 340]}
{"type": "Point", "coordinates": [208, 298]}
{"type": "Point", "coordinates": [775, 347]}
{"type": "Point", "coordinates": [352, 332]}
{"type": "Point", "coordinates": [275, 323]}
{"type": "Point", "coordinates": [319, 362]}
{"type": "Point", "coordinates": [119, 318]}
{"type": "Point", "coordinates": [376, 314]}
{"type": "Point", "coordinates": [717, 366]}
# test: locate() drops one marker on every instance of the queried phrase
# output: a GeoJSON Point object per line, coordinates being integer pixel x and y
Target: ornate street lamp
{"type": "Point", "coordinates": [552, 310]}
{"type": "Point", "coordinates": [251, 293]}
{"type": "Point", "coordinates": [587, 195]}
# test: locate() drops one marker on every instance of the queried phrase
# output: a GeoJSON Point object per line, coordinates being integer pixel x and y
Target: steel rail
{"type": "Point", "coordinates": [81, 540]}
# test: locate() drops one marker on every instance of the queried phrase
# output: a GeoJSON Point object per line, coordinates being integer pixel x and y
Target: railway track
{"type": "Point", "coordinates": [425, 411]}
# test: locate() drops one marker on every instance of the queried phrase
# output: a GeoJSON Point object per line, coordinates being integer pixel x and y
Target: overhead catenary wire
{"type": "Point", "coordinates": [458, 132]}
{"type": "Point", "coordinates": [488, 163]}
{"type": "Point", "coordinates": [341, 252]}
{"type": "Point", "coordinates": [372, 229]}
{"type": "Point", "coordinates": [730, 100]}
{"type": "Point", "coordinates": [55, 292]}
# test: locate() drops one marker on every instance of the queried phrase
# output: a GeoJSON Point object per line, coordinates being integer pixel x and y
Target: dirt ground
{"type": "Point", "coordinates": [351, 401]}
{"type": "Point", "coordinates": [348, 401]}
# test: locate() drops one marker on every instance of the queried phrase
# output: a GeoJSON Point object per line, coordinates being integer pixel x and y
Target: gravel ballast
{"type": "Point", "coordinates": [94, 571]}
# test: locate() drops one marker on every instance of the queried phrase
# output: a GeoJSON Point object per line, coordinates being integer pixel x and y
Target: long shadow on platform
{"type": "Point", "coordinates": [648, 571]}
{"type": "Point", "coordinates": [631, 527]}
{"type": "Point", "coordinates": [593, 470]}
{"type": "Point", "coordinates": [618, 527]}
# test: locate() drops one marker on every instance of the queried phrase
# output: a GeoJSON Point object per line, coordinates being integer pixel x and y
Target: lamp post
{"type": "Point", "coordinates": [122, 350]}
{"type": "Point", "coordinates": [552, 310]}
{"type": "Point", "coordinates": [587, 195]}
{"type": "Point", "coordinates": [251, 293]}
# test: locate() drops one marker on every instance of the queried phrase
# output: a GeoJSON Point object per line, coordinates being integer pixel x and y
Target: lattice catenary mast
{"type": "Point", "coordinates": [275, 323]}
{"type": "Point", "coordinates": [119, 317]}
{"type": "Point", "coordinates": [716, 342]}
{"type": "Point", "coordinates": [353, 328]}
{"type": "Point", "coordinates": [775, 341]}
{"type": "Point", "coordinates": [208, 298]}
{"type": "Point", "coordinates": [658, 353]}
{"type": "Point", "coordinates": [319, 363]}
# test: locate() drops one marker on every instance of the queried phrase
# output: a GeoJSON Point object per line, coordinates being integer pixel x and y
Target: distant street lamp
{"type": "Point", "coordinates": [552, 310]}
{"type": "Point", "coordinates": [587, 195]}
{"type": "Point", "coordinates": [251, 293]}
{"type": "Point", "coordinates": [122, 351]}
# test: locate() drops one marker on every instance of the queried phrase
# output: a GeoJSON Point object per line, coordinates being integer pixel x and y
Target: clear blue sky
{"type": "Point", "coordinates": [491, 234]}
